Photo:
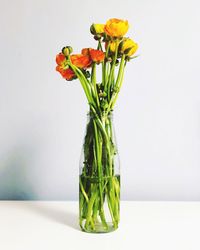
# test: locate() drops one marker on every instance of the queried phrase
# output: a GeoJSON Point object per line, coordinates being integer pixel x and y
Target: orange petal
{"type": "Point", "coordinates": [81, 61]}
{"type": "Point", "coordinates": [68, 74]}
{"type": "Point", "coordinates": [60, 58]}
{"type": "Point", "coordinates": [59, 69]}
{"type": "Point", "coordinates": [97, 55]}
{"type": "Point", "coordinates": [85, 51]}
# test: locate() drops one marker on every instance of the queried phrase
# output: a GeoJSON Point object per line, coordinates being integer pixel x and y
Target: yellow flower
{"type": "Point", "coordinates": [116, 27]}
{"type": "Point", "coordinates": [128, 47]}
{"type": "Point", "coordinates": [97, 29]}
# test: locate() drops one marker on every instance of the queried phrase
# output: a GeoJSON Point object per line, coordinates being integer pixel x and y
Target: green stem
{"type": "Point", "coordinates": [83, 191]}
{"type": "Point", "coordinates": [119, 88]}
{"type": "Point", "coordinates": [99, 46]}
{"type": "Point", "coordinates": [111, 210]}
{"type": "Point", "coordinates": [112, 70]}
{"type": "Point", "coordinates": [102, 128]}
{"type": "Point", "coordinates": [84, 82]}
{"type": "Point", "coordinates": [117, 85]}
{"type": "Point", "coordinates": [90, 206]}
{"type": "Point", "coordinates": [94, 83]}
{"type": "Point", "coordinates": [95, 210]}
{"type": "Point", "coordinates": [100, 174]}
{"type": "Point", "coordinates": [104, 64]}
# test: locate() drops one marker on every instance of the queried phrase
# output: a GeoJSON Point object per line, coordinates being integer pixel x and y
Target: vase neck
{"type": "Point", "coordinates": [102, 116]}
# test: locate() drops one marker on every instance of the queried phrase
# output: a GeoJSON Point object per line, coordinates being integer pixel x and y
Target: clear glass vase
{"type": "Point", "coordinates": [99, 183]}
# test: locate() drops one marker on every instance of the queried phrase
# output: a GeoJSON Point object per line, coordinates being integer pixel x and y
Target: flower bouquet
{"type": "Point", "coordinates": [99, 195]}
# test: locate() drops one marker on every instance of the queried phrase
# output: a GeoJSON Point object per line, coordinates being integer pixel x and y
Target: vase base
{"type": "Point", "coordinates": [99, 228]}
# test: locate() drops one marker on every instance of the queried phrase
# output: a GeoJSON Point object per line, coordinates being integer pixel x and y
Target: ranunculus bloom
{"type": "Point", "coordinates": [129, 47]}
{"type": "Point", "coordinates": [81, 61]}
{"type": "Point", "coordinates": [116, 27]}
{"type": "Point", "coordinates": [97, 55]}
{"type": "Point", "coordinates": [63, 67]}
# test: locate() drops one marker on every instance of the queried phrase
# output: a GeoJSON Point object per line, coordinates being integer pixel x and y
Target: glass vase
{"type": "Point", "coordinates": [99, 182]}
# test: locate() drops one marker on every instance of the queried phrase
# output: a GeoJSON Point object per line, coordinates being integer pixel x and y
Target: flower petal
{"type": "Point", "coordinates": [60, 58]}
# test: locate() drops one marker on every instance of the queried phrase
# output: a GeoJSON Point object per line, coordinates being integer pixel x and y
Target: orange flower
{"type": "Point", "coordinates": [81, 61]}
{"type": "Point", "coordinates": [63, 67]}
{"type": "Point", "coordinates": [116, 27]}
{"type": "Point", "coordinates": [97, 55]}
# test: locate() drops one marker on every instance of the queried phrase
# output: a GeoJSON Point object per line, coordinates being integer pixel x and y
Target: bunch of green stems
{"type": "Point", "coordinates": [98, 181]}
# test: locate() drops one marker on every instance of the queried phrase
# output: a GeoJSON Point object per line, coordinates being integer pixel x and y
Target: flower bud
{"type": "Point", "coordinates": [67, 50]}
{"type": "Point", "coordinates": [97, 29]}
{"type": "Point", "coordinates": [113, 46]}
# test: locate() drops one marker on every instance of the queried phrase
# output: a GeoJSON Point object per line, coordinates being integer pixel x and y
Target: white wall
{"type": "Point", "coordinates": [42, 117]}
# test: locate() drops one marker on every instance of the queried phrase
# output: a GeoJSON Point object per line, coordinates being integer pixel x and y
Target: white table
{"type": "Point", "coordinates": [144, 226]}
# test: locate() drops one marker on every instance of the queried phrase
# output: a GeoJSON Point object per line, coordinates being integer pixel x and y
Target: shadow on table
{"type": "Point", "coordinates": [51, 212]}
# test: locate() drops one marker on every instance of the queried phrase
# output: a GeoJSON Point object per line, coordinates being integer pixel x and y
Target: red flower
{"type": "Point", "coordinates": [63, 67]}
{"type": "Point", "coordinates": [97, 55]}
{"type": "Point", "coordinates": [81, 61]}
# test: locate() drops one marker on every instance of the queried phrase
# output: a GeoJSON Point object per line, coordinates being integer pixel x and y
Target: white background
{"type": "Point", "coordinates": [42, 117]}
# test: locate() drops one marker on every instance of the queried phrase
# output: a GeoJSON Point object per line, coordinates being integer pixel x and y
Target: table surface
{"type": "Point", "coordinates": [36, 225]}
